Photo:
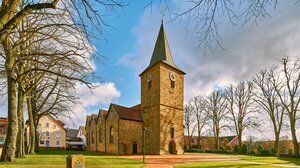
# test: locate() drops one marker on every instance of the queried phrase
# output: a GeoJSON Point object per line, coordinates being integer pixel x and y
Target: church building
{"type": "Point", "coordinates": [156, 123]}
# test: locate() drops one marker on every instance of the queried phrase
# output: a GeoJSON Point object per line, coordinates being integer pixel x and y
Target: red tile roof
{"type": "Point", "coordinates": [3, 120]}
{"type": "Point", "coordinates": [133, 113]}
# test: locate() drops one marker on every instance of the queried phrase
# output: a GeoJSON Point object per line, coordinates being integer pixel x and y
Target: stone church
{"type": "Point", "coordinates": [157, 122]}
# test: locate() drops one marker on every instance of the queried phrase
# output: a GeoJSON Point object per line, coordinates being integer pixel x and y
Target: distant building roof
{"type": "Point", "coordinates": [83, 129]}
{"type": "Point", "coordinates": [126, 113]}
{"type": "Point", "coordinates": [3, 120]}
{"type": "Point", "coordinates": [229, 138]}
{"type": "Point", "coordinates": [72, 133]}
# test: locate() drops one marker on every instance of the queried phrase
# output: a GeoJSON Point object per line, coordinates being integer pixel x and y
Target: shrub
{"type": "Point", "coordinates": [259, 148]}
{"type": "Point", "coordinates": [227, 151]}
{"type": "Point", "coordinates": [252, 152]}
{"type": "Point", "coordinates": [273, 151]}
{"type": "Point", "coordinates": [218, 151]}
{"type": "Point", "coordinates": [227, 148]}
{"type": "Point", "coordinates": [193, 150]}
{"type": "Point", "coordinates": [265, 152]}
{"type": "Point", "coordinates": [236, 149]}
{"type": "Point", "coordinates": [244, 149]}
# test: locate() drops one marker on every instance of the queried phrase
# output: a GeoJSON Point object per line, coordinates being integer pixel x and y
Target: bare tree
{"type": "Point", "coordinates": [12, 12]}
{"type": "Point", "coordinates": [189, 122]}
{"type": "Point", "coordinates": [286, 83]}
{"type": "Point", "coordinates": [268, 100]}
{"type": "Point", "coordinates": [241, 107]}
{"type": "Point", "coordinates": [217, 114]}
{"type": "Point", "coordinates": [198, 108]}
{"type": "Point", "coordinates": [205, 17]}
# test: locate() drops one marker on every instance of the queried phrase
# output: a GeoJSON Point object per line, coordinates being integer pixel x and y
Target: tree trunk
{"type": "Point", "coordinates": [31, 144]}
{"type": "Point", "coordinates": [37, 133]}
{"type": "Point", "coordinates": [9, 148]}
{"type": "Point", "coordinates": [240, 143]}
{"type": "Point", "coordinates": [189, 138]}
{"type": "Point", "coordinates": [294, 136]}
{"type": "Point", "coordinates": [199, 139]}
{"type": "Point", "coordinates": [20, 139]}
{"type": "Point", "coordinates": [276, 143]}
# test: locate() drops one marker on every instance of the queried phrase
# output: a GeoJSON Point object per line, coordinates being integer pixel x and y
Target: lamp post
{"type": "Point", "coordinates": [144, 132]}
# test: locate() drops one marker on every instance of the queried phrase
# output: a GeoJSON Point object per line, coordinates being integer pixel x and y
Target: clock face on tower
{"type": "Point", "coordinates": [149, 77]}
{"type": "Point", "coordinates": [172, 76]}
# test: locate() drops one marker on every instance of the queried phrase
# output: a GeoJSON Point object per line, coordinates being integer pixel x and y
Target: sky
{"type": "Point", "coordinates": [129, 43]}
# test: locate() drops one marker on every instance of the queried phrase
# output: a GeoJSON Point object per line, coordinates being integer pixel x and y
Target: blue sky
{"type": "Point", "coordinates": [121, 40]}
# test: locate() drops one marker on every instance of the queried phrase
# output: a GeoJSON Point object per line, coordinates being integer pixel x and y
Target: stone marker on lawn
{"type": "Point", "coordinates": [75, 161]}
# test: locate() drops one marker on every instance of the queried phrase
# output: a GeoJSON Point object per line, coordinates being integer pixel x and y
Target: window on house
{"type": "Point", "coordinates": [172, 132]}
{"type": "Point", "coordinates": [1, 140]}
{"type": "Point", "coordinates": [172, 84]}
{"type": "Point", "coordinates": [54, 126]}
{"type": "Point", "coordinates": [47, 133]}
{"type": "Point", "coordinates": [57, 143]}
{"type": "Point", "coordinates": [92, 136]}
{"type": "Point", "coordinates": [111, 137]}
{"type": "Point", "coordinates": [149, 84]}
{"type": "Point", "coordinates": [100, 135]}
{"type": "Point", "coordinates": [57, 133]}
{"type": "Point", "coordinates": [47, 143]}
{"type": "Point", "coordinates": [47, 125]}
{"type": "Point", "coordinates": [40, 125]}
{"type": "Point", "coordinates": [42, 142]}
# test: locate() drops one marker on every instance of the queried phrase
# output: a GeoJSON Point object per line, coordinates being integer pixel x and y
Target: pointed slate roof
{"type": "Point", "coordinates": [162, 52]}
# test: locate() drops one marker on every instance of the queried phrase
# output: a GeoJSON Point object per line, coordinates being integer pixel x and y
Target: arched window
{"type": "Point", "coordinates": [111, 137]}
{"type": "Point", "coordinates": [172, 84]}
{"type": "Point", "coordinates": [100, 135]}
{"type": "Point", "coordinates": [92, 136]}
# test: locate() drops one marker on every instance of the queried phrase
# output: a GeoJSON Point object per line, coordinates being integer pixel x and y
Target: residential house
{"type": "Point", "coordinates": [52, 133]}
{"type": "Point", "coordinates": [73, 141]}
{"type": "Point", "coordinates": [3, 130]}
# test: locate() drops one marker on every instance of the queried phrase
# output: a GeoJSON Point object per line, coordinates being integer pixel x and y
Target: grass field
{"type": "Point", "coordinates": [57, 159]}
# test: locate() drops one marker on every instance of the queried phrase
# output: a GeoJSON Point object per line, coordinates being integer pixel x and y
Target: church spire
{"type": "Point", "coordinates": [162, 50]}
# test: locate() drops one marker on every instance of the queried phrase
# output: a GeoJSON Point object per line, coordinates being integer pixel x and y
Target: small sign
{"type": "Point", "coordinates": [75, 161]}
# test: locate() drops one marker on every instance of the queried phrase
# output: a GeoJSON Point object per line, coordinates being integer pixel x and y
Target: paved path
{"type": "Point", "coordinates": [168, 161]}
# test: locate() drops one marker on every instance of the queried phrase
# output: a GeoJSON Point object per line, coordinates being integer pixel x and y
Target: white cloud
{"type": "Point", "coordinates": [103, 94]}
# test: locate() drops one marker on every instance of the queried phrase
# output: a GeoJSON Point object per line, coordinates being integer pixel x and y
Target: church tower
{"type": "Point", "coordinates": [162, 87]}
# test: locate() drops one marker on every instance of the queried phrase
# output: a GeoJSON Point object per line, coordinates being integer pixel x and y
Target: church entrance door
{"type": "Point", "coordinates": [172, 147]}
{"type": "Point", "coordinates": [134, 147]}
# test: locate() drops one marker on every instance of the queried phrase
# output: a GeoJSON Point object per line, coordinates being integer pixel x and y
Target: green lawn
{"type": "Point", "coordinates": [273, 160]}
{"type": "Point", "coordinates": [222, 164]}
{"type": "Point", "coordinates": [57, 159]}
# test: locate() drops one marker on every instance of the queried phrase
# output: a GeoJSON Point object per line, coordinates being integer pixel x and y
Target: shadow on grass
{"type": "Point", "coordinates": [295, 161]}
{"type": "Point", "coordinates": [85, 153]}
